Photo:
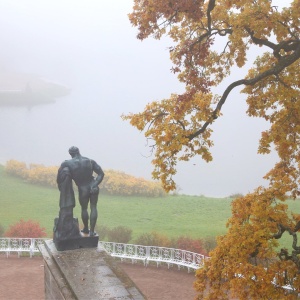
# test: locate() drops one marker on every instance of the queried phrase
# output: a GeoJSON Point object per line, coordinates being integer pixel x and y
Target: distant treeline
{"type": "Point", "coordinates": [114, 182]}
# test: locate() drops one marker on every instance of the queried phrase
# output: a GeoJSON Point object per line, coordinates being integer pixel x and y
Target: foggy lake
{"type": "Point", "coordinates": [90, 47]}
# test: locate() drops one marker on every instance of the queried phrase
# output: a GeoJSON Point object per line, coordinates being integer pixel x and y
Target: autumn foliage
{"type": "Point", "coordinates": [211, 40]}
{"type": "Point", "coordinates": [35, 173]}
{"type": "Point", "coordinates": [120, 183]}
{"type": "Point", "coordinates": [190, 244]}
{"type": "Point", "coordinates": [114, 183]}
{"type": "Point", "coordinates": [26, 229]}
{"type": "Point", "coordinates": [155, 238]}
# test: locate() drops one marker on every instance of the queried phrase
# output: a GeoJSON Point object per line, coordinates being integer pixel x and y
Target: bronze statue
{"type": "Point", "coordinates": [80, 169]}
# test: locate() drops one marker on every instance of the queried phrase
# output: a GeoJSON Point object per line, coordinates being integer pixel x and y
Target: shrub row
{"type": "Point", "coordinates": [119, 234]}
{"type": "Point", "coordinates": [120, 183]}
{"type": "Point", "coordinates": [122, 234]}
{"type": "Point", "coordinates": [114, 183]}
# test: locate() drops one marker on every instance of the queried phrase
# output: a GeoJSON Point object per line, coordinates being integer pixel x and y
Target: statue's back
{"type": "Point", "coordinates": [81, 170]}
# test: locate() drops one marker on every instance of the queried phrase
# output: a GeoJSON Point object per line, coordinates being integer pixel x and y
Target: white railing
{"type": "Point", "coordinates": [20, 245]}
{"type": "Point", "coordinates": [147, 254]}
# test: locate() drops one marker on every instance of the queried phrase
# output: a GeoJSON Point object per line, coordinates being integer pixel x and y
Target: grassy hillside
{"type": "Point", "coordinates": [172, 215]}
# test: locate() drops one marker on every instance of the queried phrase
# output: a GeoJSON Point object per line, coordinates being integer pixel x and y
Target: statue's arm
{"type": "Point", "coordinates": [98, 170]}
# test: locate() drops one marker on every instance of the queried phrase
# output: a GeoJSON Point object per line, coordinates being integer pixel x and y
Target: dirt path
{"type": "Point", "coordinates": [23, 278]}
{"type": "Point", "coordinates": [161, 283]}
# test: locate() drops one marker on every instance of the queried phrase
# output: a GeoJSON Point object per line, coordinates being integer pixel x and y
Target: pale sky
{"type": "Point", "coordinates": [91, 47]}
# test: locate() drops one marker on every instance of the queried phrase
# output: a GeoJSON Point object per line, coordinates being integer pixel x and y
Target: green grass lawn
{"type": "Point", "coordinates": [171, 215]}
{"type": "Point", "coordinates": [194, 216]}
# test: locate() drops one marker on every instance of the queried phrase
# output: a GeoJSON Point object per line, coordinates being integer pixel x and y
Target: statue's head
{"type": "Point", "coordinates": [73, 151]}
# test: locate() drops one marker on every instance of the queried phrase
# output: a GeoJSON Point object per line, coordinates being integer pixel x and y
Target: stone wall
{"type": "Point", "coordinates": [88, 273]}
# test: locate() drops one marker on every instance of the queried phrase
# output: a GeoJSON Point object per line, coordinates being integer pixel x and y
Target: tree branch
{"type": "Point", "coordinates": [210, 7]}
{"type": "Point", "coordinates": [154, 119]}
{"type": "Point", "coordinates": [284, 62]}
{"type": "Point", "coordinates": [258, 41]}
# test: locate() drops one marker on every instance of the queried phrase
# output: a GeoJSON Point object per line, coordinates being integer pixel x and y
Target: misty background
{"type": "Point", "coordinates": [91, 47]}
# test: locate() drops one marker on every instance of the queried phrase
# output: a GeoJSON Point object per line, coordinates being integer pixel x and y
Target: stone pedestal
{"type": "Point", "coordinates": [88, 273]}
{"type": "Point", "coordinates": [82, 241]}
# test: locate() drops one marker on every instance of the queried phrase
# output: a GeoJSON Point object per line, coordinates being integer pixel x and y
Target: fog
{"type": "Point", "coordinates": [91, 47]}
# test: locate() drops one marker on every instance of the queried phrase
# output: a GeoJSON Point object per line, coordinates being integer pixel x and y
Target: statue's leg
{"type": "Point", "coordinates": [84, 200]}
{"type": "Point", "coordinates": [94, 213]}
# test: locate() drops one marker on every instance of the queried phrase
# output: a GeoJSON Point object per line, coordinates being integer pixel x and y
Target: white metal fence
{"type": "Point", "coordinates": [20, 245]}
{"type": "Point", "coordinates": [158, 255]}
{"type": "Point", "coordinates": [146, 254]}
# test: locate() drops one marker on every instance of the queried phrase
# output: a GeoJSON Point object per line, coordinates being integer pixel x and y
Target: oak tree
{"type": "Point", "coordinates": [211, 39]}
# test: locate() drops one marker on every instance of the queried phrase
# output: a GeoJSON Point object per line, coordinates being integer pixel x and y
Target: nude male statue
{"type": "Point", "coordinates": [81, 171]}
